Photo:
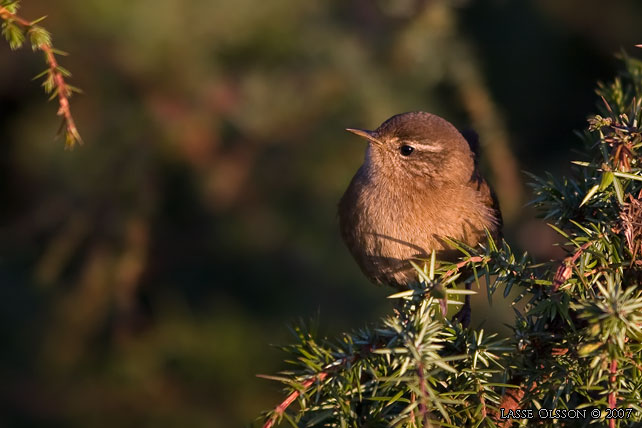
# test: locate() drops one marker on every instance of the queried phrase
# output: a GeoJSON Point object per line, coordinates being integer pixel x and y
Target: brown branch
{"type": "Point", "coordinates": [63, 96]}
{"type": "Point", "coordinates": [423, 411]}
{"type": "Point", "coordinates": [613, 393]}
{"type": "Point", "coordinates": [461, 264]}
{"type": "Point", "coordinates": [281, 408]}
{"type": "Point", "coordinates": [7, 14]}
{"type": "Point", "coordinates": [511, 401]}
{"type": "Point", "coordinates": [63, 90]}
{"type": "Point", "coordinates": [482, 400]}
{"type": "Point", "coordinates": [412, 411]}
{"type": "Point", "coordinates": [319, 377]}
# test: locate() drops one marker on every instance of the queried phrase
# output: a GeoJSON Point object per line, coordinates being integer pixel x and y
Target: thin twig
{"type": "Point", "coordinates": [482, 400]}
{"type": "Point", "coordinates": [7, 14]}
{"type": "Point", "coordinates": [63, 90]}
{"type": "Point", "coordinates": [63, 94]}
{"type": "Point", "coordinates": [475, 259]}
{"type": "Point", "coordinates": [423, 410]}
{"type": "Point", "coordinates": [281, 408]}
{"type": "Point", "coordinates": [412, 411]}
{"type": "Point", "coordinates": [319, 377]}
{"type": "Point", "coordinates": [613, 393]}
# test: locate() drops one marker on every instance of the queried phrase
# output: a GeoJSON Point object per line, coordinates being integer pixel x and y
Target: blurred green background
{"type": "Point", "coordinates": [144, 275]}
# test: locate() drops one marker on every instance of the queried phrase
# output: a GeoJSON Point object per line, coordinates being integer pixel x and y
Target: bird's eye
{"type": "Point", "coordinates": [406, 150]}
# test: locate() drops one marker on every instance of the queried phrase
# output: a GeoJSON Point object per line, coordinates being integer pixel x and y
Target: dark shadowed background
{"type": "Point", "coordinates": [144, 275]}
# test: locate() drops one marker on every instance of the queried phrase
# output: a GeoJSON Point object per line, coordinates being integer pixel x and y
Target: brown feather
{"type": "Point", "coordinates": [398, 208]}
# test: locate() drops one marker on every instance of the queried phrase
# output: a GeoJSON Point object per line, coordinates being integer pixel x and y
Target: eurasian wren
{"type": "Point", "coordinates": [419, 182]}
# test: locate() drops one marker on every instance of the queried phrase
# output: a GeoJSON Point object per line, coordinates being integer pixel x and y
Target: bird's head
{"type": "Point", "coordinates": [417, 146]}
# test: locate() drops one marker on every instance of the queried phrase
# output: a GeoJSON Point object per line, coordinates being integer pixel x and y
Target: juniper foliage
{"type": "Point", "coordinates": [17, 30]}
{"type": "Point", "coordinates": [575, 345]}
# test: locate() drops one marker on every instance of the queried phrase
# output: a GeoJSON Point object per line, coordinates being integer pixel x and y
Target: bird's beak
{"type": "Point", "coordinates": [370, 135]}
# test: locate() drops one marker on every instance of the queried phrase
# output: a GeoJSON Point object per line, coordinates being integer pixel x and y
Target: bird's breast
{"type": "Point", "coordinates": [384, 228]}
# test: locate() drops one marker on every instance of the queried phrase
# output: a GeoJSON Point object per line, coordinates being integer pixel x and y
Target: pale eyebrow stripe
{"type": "Point", "coordinates": [424, 146]}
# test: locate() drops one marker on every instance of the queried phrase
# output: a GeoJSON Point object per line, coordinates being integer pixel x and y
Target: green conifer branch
{"type": "Point", "coordinates": [577, 342]}
{"type": "Point", "coordinates": [16, 31]}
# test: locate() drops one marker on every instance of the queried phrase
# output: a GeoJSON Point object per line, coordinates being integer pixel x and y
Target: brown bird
{"type": "Point", "coordinates": [419, 182]}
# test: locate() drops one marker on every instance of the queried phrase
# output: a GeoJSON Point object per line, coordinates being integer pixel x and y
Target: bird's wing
{"type": "Point", "coordinates": [488, 196]}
